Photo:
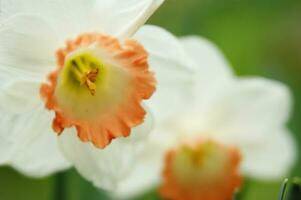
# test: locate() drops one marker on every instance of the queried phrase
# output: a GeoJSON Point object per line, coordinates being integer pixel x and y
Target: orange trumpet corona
{"type": "Point", "coordinates": [98, 87]}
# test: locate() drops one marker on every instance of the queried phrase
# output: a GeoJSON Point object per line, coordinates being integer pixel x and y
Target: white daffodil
{"type": "Point", "coordinates": [215, 130]}
{"type": "Point", "coordinates": [78, 56]}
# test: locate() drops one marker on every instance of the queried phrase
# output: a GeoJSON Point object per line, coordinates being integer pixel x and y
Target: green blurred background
{"type": "Point", "coordinates": [259, 37]}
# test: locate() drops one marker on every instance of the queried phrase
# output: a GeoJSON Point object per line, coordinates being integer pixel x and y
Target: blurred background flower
{"type": "Point", "coordinates": [259, 37]}
{"type": "Point", "coordinates": [249, 113]}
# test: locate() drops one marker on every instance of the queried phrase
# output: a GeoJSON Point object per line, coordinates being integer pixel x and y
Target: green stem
{"type": "Point", "coordinates": [283, 189]}
{"type": "Point", "coordinates": [60, 186]}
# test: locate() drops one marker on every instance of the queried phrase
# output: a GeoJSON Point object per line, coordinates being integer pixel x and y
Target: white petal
{"type": "Point", "coordinates": [123, 18]}
{"type": "Point", "coordinates": [28, 143]}
{"type": "Point", "coordinates": [27, 48]}
{"type": "Point", "coordinates": [70, 17]}
{"type": "Point", "coordinates": [20, 96]}
{"type": "Point", "coordinates": [173, 69]}
{"type": "Point", "coordinates": [142, 178]}
{"type": "Point", "coordinates": [104, 167]}
{"type": "Point", "coordinates": [146, 174]}
{"type": "Point", "coordinates": [271, 159]}
{"type": "Point", "coordinates": [27, 54]}
{"type": "Point", "coordinates": [212, 67]}
{"type": "Point", "coordinates": [245, 110]}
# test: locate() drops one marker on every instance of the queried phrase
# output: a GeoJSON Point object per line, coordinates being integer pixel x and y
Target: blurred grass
{"type": "Point", "coordinates": [259, 37]}
{"type": "Point", "coordinates": [14, 186]}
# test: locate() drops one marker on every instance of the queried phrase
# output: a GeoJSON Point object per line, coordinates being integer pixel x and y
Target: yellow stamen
{"type": "Point", "coordinates": [85, 70]}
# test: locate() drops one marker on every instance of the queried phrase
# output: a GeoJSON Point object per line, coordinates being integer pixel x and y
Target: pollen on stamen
{"type": "Point", "coordinates": [98, 87]}
{"type": "Point", "coordinates": [84, 71]}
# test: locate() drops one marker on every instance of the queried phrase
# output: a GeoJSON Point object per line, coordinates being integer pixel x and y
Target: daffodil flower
{"type": "Point", "coordinates": [220, 129]}
{"type": "Point", "coordinates": [70, 67]}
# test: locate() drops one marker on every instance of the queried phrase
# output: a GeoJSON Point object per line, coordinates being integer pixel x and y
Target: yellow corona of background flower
{"type": "Point", "coordinates": [216, 130]}
{"type": "Point", "coordinates": [79, 56]}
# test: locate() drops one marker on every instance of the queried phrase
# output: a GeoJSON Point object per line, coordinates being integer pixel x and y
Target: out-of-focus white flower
{"type": "Point", "coordinates": [213, 129]}
{"type": "Point", "coordinates": [96, 90]}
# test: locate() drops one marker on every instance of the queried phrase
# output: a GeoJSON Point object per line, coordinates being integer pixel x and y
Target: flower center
{"type": "Point", "coordinates": [203, 163]}
{"type": "Point", "coordinates": [82, 70]}
{"type": "Point", "coordinates": [201, 170]}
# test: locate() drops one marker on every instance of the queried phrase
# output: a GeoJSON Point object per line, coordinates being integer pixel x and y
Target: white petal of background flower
{"type": "Point", "coordinates": [241, 112]}
{"type": "Point", "coordinates": [173, 69]}
{"type": "Point", "coordinates": [28, 143]}
{"type": "Point", "coordinates": [249, 110]}
{"type": "Point", "coordinates": [209, 59]}
{"type": "Point", "coordinates": [272, 159]}
{"type": "Point", "coordinates": [105, 167]}
{"type": "Point", "coordinates": [213, 70]}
